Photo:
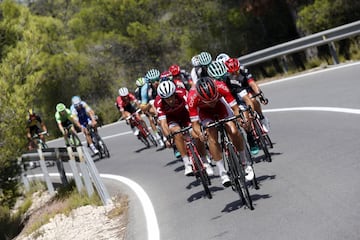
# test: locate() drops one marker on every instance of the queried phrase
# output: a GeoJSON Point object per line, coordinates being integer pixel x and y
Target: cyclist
{"type": "Point", "coordinates": [34, 125]}
{"type": "Point", "coordinates": [171, 106]}
{"type": "Point", "coordinates": [245, 80]}
{"type": "Point", "coordinates": [209, 101]}
{"type": "Point", "coordinates": [85, 116]}
{"type": "Point", "coordinates": [180, 77]}
{"type": "Point", "coordinates": [139, 83]}
{"type": "Point", "coordinates": [196, 66]}
{"type": "Point", "coordinates": [127, 105]}
{"type": "Point", "coordinates": [65, 121]}
{"type": "Point", "coordinates": [148, 94]}
{"type": "Point", "coordinates": [218, 70]}
{"type": "Point", "coordinates": [222, 57]}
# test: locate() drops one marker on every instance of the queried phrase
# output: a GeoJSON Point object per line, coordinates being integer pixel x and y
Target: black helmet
{"type": "Point", "coordinates": [206, 89]}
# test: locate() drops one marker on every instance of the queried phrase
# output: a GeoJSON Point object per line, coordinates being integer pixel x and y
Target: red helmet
{"type": "Point", "coordinates": [232, 65]}
{"type": "Point", "coordinates": [206, 89]}
{"type": "Point", "coordinates": [174, 69]}
{"type": "Point", "coordinates": [166, 76]}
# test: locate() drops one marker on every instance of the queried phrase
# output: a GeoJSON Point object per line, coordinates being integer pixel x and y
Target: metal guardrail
{"type": "Point", "coordinates": [83, 169]}
{"type": "Point", "coordinates": [314, 40]}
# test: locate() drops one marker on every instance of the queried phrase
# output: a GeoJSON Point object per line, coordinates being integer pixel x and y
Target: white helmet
{"type": "Point", "coordinates": [75, 100]}
{"type": "Point", "coordinates": [123, 92]}
{"type": "Point", "coordinates": [166, 89]}
{"type": "Point", "coordinates": [222, 57]}
{"type": "Point", "coordinates": [217, 69]}
{"type": "Point", "coordinates": [195, 61]}
{"type": "Point", "coordinates": [205, 58]}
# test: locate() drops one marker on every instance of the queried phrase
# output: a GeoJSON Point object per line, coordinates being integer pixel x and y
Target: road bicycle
{"type": "Point", "coordinates": [198, 167]}
{"type": "Point", "coordinates": [144, 134]}
{"type": "Point", "coordinates": [247, 151]}
{"type": "Point", "coordinates": [37, 141]}
{"type": "Point", "coordinates": [98, 142]}
{"type": "Point", "coordinates": [233, 162]}
{"type": "Point", "coordinates": [73, 139]}
{"type": "Point", "coordinates": [259, 134]}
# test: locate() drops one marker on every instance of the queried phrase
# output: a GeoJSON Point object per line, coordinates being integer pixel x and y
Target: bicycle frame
{"type": "Point", "coordinates": [235, 168]}
{"type": "Point", "coordinates": [197, 164]}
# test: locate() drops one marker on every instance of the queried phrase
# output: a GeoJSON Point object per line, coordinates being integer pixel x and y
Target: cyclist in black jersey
{"type": "Point", "coordinates": [34, 125]}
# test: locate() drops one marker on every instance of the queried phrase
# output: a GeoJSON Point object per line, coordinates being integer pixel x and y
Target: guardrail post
{"type": "Point", "coordinates": [60, 167]}
{"type": "Point", "coordinates": [100, 187]}
{"type": "Point", "coordinates": [85, 172]}
{"type": "Point", "coordinates": [45, 172]}
{"type": "Point", "coordinates": [284, 65]}
{"type": "Point", "coordinates": [333, 53]}
{"type": "Point", "coordinates": [72, 163]}
{"type": "Point", "coordinates": [24, 179]}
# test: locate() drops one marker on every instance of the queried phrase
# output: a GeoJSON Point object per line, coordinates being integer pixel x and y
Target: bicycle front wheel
{"type": "Point", "coordinates": [239, 175]}
{"type": "Point", "coordinates": [200, 171]}
{"type": "Point", "coordinates": [261, 140]}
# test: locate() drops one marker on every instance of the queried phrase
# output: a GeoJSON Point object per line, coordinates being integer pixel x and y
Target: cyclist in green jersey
{"type": "Point", "coordinates": [65, 120]}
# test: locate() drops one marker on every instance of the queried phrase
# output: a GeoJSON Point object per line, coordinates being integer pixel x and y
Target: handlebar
{"type": "Point", "coordinates": [183, 130]}
{"type": "Point", "coordinates": [133, 114]}
{"type": "Point", "coordinates": [222, 121]}
{"type": "Point", "coordinates": [41, 133]}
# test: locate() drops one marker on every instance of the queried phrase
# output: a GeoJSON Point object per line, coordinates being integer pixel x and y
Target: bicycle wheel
{"type": "Point", "coordinates": [152, 139]}
{"type": "Point", "coordinates": [104, 148]}
{"type": "Point", "coordinates": [200, 171]}
{"type": "Point", "coordinates": [143, 139]}
{"type": "Point", "coordinates": [261, 141]}
{"type": "Point", "coordinates": [75, 140]}
{"type": "Point", "coordinates": [240, 176]}
{"type": "Point", "coordinates": [268, 140]}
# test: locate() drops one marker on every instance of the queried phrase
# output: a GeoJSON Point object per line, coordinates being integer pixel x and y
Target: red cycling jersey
{"type": "Point", "coordinates": [122, 102]}
{"type": "Point", "coordinates": [176, 113]}
{"type": "Point", "coordinates": [200, 110]}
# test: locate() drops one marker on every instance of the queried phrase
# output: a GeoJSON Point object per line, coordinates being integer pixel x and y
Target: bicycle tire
{"type": "Point", "coordinates": [268, 140]}
{"type": "Point", "coordinates": [240, 176]}
{"type": "Point", "coordinates": [152, 139]}
{"type": "Point", "coordinates": [105, 149]}
{"type": "Point", "coordinates": [143, 139]}
{"type": "Point", "coordinates": [200, 171]}
{"type": "Point", "coordinates": [261, 141]}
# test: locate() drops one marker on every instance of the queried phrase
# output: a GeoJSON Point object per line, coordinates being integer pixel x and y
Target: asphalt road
{"type": "Point", "coordinates": [309, 191]}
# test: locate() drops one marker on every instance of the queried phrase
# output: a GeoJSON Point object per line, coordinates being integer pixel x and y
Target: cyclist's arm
{"type": "Point", "coordinates": [28, 133]}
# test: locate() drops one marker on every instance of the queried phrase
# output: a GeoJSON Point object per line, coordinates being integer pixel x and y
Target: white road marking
{"type": "Point", "coordinates": [150, 216]}
{"type": "Point", "coordinates": [324, 109]}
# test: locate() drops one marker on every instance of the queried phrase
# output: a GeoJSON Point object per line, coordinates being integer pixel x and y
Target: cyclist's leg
{"type": "Point", "coordinates": [180, 145]}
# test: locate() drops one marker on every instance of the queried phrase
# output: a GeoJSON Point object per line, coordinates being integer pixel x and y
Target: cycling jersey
{"type": "Point", "coordinates": [198, 72]}
{"type": "Point", "coordinates": [147, 93]}
{"type": "Point", "coordinates": [125, 103]}
{"type": "Point", "coordinates": [239, 83]}
{"type": "Point", "coordinates": [64, 119]}
{"type": "Point", "coordinates": [200, 110]}
{"type": "Point", "coordinates": [178, 112]}
{"type": "Point", "coordinates": [81, 113]}
{"type": "Point", "coordinates": [34, 124]}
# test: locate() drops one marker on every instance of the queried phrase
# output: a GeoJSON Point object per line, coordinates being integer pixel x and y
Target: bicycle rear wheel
{"type": "Point", "coordinates": [200, 171]}
{"type": "Point", "coordinates": [103, 148]}
{"type": "Point", "coordinates": [152, 139]}
{"type": "Point", "coordinates": [268, 140]}
{"type": "Point", "coordinates": [239, 177]}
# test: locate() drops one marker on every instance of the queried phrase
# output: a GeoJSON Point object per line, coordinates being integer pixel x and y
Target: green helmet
{"type": "Point", "coordinates": [60, 107]}
{"type": "Point", "coordinates": [217, 69]}
{"type": "Point", "coordinates": [205, 58]}
{"type": "Point", "coordinates": [140, 81]}
{"type": "Point", "coordinates": [153, 75]}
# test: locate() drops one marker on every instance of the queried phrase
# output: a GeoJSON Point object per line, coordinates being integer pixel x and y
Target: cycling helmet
{"type": "Point", "coordinates": [222, 57]}
{"type": "Point", "coordinates": [166, 76]}
{"type": "Point", "coordinates": [140, 81]}
{"type": "Point", "coordinates": [166, 89]}
{"type": "Point", "coordinates": [205, 58]}
{"type": "Point", "coordinates": [153, 75]}
{"type": "Point", "coordinates": [217, 69]}
{"type": "Point", "coordinates": [60, 107]}
{"type": "Point", "coordinates": [195, 61]}
{"type": "Point", "coordinates": [76, 100]}
{"type": "Point", "coordinates": [31, 112]}
{"type": "Point", "coordinates": [206, 89]}
{"type": "Point", "coordinates": [232, 65]}
{"type": "Point", "coordinates": [174, 69]}
{"type": "Point", "coordinates": [123, 92]}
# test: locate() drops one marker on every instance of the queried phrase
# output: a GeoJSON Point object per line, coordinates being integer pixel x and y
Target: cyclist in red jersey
{"type": "Point", "coordinates": [208, 101]}
{"type": "Point", "coordinates": [171, 106]}
{"type": "Point", "coordinates": [127, 105]}
{"type": "Point", "coordinates": [180, 77]}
